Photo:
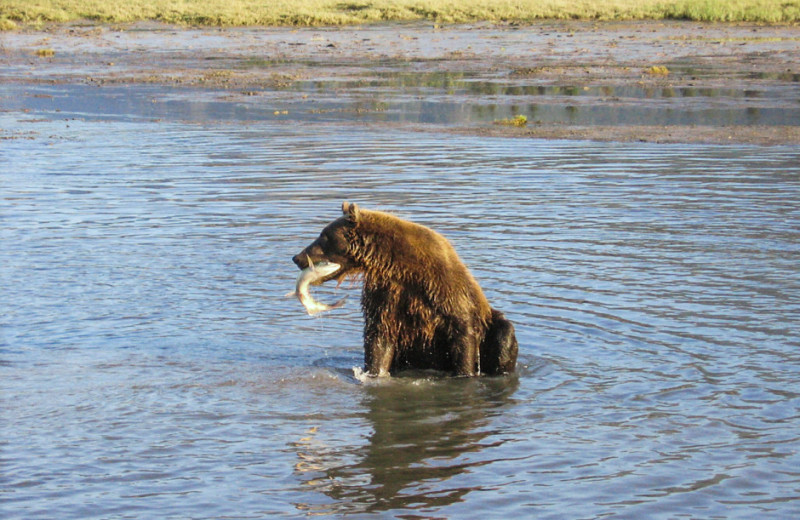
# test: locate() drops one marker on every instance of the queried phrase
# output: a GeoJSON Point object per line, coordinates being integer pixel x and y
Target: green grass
{"type": "Point", "coordinates": [518, 120]}
{"type": "Point", "coordinates": [340, 12]}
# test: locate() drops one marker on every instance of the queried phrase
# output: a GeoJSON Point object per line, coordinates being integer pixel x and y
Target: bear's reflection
{"type": "Point", "coordinates": [424, 433]}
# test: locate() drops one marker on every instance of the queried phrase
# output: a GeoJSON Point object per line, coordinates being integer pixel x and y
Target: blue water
{"type": "Point", "coordinates": [151, 367]}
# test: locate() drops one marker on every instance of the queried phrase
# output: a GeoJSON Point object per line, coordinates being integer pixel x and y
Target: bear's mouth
{"type": "Point", "coordinates": [345, 269]}
{"type": "Point", "coordinates": [337, 275]}
{"type": "Point", "coordinates": [340, 276]}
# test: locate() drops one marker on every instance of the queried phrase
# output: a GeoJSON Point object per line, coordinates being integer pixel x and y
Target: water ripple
{"type": "Point", "coordinates": [148, 355]}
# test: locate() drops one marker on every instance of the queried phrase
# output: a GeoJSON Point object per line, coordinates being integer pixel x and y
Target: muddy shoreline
{"type": "Point", "coordinates": [744, 78]}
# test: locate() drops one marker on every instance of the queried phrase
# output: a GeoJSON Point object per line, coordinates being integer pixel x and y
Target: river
{"type": "Point", "coordinates": [151, 366]}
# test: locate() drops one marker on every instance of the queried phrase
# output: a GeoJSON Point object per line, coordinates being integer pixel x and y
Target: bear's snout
{"type": "Point", "coordinates": [300, 260]}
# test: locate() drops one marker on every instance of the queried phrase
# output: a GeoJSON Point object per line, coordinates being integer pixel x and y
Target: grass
{"type": "Point", "coordinates": [518, 120]}
{"type": "Point", "coordinates": [657, 70]}
{"type": "Point", "coordinates": [342, 12]}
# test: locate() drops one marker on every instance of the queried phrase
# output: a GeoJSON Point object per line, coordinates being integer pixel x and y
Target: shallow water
{"type": "Point", "coordinates": [421, 100]}
{"type": "Point", "coordinates": [151, 367]}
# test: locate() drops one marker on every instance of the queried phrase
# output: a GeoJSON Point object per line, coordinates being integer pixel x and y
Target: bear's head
{"type": "Point", "coordinates": [334, 245]}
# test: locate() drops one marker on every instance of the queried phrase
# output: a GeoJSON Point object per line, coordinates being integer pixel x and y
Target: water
{"type": "Point", "coordinates": [150, 366]}
{"type": "Point", "coordinates": [452, 99]}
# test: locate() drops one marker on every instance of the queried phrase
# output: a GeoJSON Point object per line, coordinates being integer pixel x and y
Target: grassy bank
{"type": "Point", "coordinates": [338, 12]}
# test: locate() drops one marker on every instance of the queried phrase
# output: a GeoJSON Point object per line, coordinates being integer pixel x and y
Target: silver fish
{"type": "Point", "coordinates": [308, 276]}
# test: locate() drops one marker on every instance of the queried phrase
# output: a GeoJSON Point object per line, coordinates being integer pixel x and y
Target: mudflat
{"type": "Point", "coordinates": [649, 81]}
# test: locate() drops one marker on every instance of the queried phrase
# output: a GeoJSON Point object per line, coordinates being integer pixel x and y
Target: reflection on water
{"type": "Point", "coordinates": [425, 435]}
{"type": "Point", "coordinates": [151, 366]}
{"type": "Point", "coordinates": [423, 98]}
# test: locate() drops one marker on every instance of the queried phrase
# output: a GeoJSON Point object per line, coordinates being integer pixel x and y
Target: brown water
{"type": "Point", "coordinates": [150, 366]}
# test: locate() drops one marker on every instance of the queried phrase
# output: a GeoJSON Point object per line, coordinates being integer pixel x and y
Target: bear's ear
{"type": "Point", "coordinates": [351, 211]}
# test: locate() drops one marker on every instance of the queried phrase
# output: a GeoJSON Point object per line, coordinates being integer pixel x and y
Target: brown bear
{"type": "Point", "coordinates": [422, 307]}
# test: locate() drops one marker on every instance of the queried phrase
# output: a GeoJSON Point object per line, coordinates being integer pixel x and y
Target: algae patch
{"type": "Point", "coordinates": [518, 120]}
{"type": "Point", "coordinates": [658, 70]}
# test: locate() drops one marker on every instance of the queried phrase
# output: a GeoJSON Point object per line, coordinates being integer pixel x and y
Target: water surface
{"type": "Point", "coordinates": [422, 100]}
{"type": "Point", "coordinates": [150, 366]}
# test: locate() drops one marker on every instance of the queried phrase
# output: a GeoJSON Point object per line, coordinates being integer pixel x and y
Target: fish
{"type": "Point", "coordinates": [309, 275]}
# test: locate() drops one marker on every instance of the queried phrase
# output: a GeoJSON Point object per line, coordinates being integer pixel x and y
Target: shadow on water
{"type": "Point", "coordinates": [424, 433]}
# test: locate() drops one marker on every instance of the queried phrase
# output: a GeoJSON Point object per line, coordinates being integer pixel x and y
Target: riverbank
{"type": "Point", "coordinates": [229, 13]}
{"type": "Point", "coordinates": [651, 81]}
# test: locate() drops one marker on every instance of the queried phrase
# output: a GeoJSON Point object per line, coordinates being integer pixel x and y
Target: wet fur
{"type": "Point", "coordinates": [422, 307]}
